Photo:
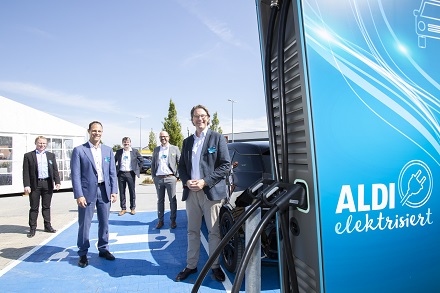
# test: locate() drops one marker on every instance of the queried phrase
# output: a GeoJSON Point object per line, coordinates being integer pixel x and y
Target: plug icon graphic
{"type": "Point", "coordinates": [415, 185]}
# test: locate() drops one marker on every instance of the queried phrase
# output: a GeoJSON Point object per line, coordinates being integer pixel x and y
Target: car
{"type": "Point", "coordinates": [146, 165]}
{"type": "Point", "coordinates": [427, 19]}
{"type": "Point", "coordinates": [250, 161]}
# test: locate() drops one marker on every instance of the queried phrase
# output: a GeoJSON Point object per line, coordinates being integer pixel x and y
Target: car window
{"type": "Point", "coordinates": [248, 163]}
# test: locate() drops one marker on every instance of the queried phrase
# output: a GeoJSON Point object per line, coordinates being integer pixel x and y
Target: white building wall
{"type": "Point", "coordinates": [23, 124]}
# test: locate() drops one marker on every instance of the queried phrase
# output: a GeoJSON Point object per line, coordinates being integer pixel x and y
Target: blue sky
{"type": "Point", "coordinates": [114, 61]}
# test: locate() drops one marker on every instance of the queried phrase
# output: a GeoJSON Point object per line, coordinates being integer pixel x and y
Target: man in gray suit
{"type": "Point", "coordinates": [94, 183]}
{"type": "Point", "coordinates": [203, 167]}
{"type": "Point", "coordinates": [128, 165]}
{"type": "Point", "coordinates": [164, 173]}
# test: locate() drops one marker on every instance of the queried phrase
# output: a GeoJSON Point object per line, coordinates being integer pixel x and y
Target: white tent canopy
{"type": "Point", "coordinates": [19, 126]}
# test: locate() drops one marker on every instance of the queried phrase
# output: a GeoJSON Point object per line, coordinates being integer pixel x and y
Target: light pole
{"type": "Point", "coordinates": [140, 133]}
{"type": "Point", "coordinates": [232, 103]}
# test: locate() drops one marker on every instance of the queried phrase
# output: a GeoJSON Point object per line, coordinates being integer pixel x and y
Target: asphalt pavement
{"type": "Point", "coordinates": [14, 218]}
{"type": "Point", "coordinates": [147, 259]}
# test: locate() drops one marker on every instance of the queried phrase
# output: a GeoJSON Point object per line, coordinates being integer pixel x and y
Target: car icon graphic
{"type": "Point", "coordinates": [427, 21]}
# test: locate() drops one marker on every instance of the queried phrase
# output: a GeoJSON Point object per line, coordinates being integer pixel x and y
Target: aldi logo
{"type": "Point", "coordinates": [372, 208]}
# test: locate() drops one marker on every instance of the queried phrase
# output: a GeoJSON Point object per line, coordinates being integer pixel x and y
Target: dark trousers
{"type": "Point", "coordinates": [124, 179]}
{"type": "Point", "coordinates": [45, 193]}
{"type": "Point", "coordinates": [85, 216]}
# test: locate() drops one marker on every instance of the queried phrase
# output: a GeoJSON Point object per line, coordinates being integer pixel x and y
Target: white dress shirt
{"type": "Point", "coordinates": [196, 153]}
{"type": "Point", "coordinates": [126, 160]}
{"type": "Point", "coordinates": [43, 171]}
{"type": "Point", "coordinates": [163, 168]}
{"type": "Point", "coordinates": [97, 157]}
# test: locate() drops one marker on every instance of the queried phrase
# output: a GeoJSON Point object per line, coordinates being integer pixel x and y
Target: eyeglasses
{"type": "Point", "coordinates": [163, 136]}
{"type": "Point", "coordinates": [203, 116]}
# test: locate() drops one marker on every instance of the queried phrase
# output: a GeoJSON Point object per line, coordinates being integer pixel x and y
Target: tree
{"type": "Point", "coordinates": [116, 147]}
{"type": "Point", "coordinates": [172, 125]}
{"type": "Point", "coordinates": [152, 142]}
{"type": "Point", "coordinates": [215, 124]}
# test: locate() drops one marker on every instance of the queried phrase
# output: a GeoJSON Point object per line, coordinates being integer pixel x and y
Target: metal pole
{"type": "Point", "coordinates": [232, 121]}
{"type": "Point", "coordinates": [140, 133]}
{"type": "Point", "coordinates": [253, 269]}
{"type": "Point", "coordinates": [232, 102]}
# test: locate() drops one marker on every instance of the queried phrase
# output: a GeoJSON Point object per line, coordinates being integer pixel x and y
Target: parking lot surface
{"type": "Point", "coordinates": [147, 259]}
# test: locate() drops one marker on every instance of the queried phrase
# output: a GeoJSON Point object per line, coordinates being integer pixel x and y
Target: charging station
{"type": "Point", "coordinates": [352, 93]}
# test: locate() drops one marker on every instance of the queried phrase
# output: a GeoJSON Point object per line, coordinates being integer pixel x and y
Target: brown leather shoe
{"type": "Point", "coordinates": [173, 225]}
{"type": "Point", "coordinates": [159, 225]}
{"type": "Point", "coordinates": [218, 274]}
{"type": "Point", "coordinates": [132, 212]}
{"type": "Point", "coordinates": [185, 273]}
{"type": "Point", "coordinates": [122, 212]}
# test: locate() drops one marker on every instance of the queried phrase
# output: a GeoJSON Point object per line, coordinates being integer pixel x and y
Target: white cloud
{"type": "Point", "coordinates": [59, 98]}
{"type": "Point", "coordinates": [219, 28]}
{"type": "Point", "coordinates": [39, 32]}
{"type": "Point", "coordinates": [200, 55]}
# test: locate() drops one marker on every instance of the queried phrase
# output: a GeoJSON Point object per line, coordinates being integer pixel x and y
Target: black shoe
{"type": "Point", "coordinates": [185, 273]}
{"type": "Point", "coordinates": [83, 262]}
{"type": "Point", "coordinates": [31, 233]}
{"type": "Point", "coordinates": [50, 230]}
{"type": "Point", "coordinates": [107, 255]}
{"type": "Point", "coordinates": [218, 274]}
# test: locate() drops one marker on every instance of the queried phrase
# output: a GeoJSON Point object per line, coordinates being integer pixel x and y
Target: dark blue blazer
{"type": "Point", "coordinates": [214, 165]}
{"type": "Point", "coordinates": [136, 160]}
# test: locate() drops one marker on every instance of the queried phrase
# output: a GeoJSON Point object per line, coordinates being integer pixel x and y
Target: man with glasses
{"type": "Point", "coordinates": [203, 167]}
{"type": "Point", "coordinates": [164, 173]}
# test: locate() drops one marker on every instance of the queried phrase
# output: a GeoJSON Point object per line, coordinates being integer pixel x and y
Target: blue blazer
{"type": "Point", "coordinates": [84, 174]}
{"type": "Point", "coordinates": [214, 165]}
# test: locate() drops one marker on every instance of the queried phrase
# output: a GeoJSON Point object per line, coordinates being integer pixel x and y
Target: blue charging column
{"type": "Point", "coordinates": [363, 111]}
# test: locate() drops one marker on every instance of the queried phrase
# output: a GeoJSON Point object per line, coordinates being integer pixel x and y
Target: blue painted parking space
{"type": "Point", "coordinates": [147, 260]}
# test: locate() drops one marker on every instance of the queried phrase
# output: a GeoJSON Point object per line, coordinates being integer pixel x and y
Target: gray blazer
{"type": "Point", "coordinates": [173, 160]}
{"type": "Point", "coordinates": [214, 165]}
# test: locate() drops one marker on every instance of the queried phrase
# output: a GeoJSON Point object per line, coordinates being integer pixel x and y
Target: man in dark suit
{"type": "Point", "coordinates": [94, 183]}
{"type": "Point", "coordinates": [164, 173]}
{"type": "Point", "coordinates": [203, 167]}
{"type": "Point", "coordinates": [128, 165]}
{"type": "Point", "coordinates": [40, 170]}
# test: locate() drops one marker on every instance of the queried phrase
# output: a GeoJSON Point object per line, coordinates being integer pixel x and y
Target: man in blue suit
{"type": "Point", "coordinates": [203, 167]}
{"type": "Point", "coordinates": [94, 181]}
